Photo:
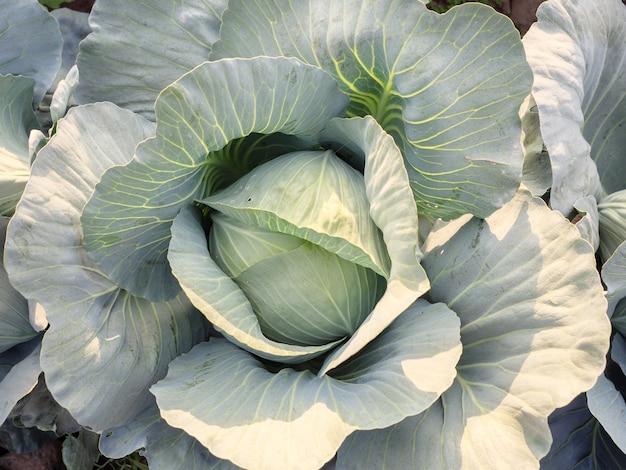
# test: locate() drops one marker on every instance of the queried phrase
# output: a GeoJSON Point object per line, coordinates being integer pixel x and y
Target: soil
{"type": "Point", "coordinates": [79, 5]}
{"type": "Point", "coordinates": [46, 458]}
{"type": "Point", "coordinates": [521, 12]}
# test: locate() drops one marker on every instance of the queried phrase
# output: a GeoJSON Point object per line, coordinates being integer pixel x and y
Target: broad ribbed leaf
{"type": "Point", "coordinates": [127, 221]}
{"type": "Point", "coordinates": [16, 121]}
{"type": "Point", "coordinates": [164, 447]}
{"type": "Point", "coordinates": [614, 276]}
{"type": "Point", "coordinates": [81, 451]}
{"type": "Point", "coordinates": [534, 337]}
{"type": "Point", "coordinates": [30, 44]}
{"type": "Point", "coordinates": [19, 371]}
{"type": "Point", "coordinates": [15, 327]}
{"type": "Point", "coordinates": [39, 409]}
{"type": "Point", "coordinates": [537, 171]}
{"type": "Point", "coordinates": [240, 411]}
{"type": "Point", "coordinates": [447, 87]}
{"type": "Point", "coordinates": [577, 50]}
{"type": "Point", "coordinates": [587, 209]}
{"type": "Point", "coordinates": [606, 403]}
{"type": "Point", "coordinates": [605, 399]}
{"type": "Point", "coordinates": [104, 347]}
{"type": "Point", "coordinates": [138, 48]}
{"type": "Point", "coordinates": [580, 442]}
{"type": "Point", "coordinates": [612, 223]}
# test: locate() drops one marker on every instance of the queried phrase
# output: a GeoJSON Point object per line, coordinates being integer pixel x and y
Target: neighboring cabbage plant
{"type": "Point", "coordinates": [577, 51]}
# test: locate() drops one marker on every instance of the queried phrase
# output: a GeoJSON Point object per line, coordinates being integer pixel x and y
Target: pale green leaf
{"type": "Point", "coordinates": [393, 210]}
{"type": "Point", "coordinates": [138, 48]}
{"type": "Point", "coordinates": [241, 411]}
{"type": "Point", "coordinates": [580, 442]}
{"type": "Point", "coordinates": [533, 337]}
{"type": "Point", "coordinates": [614, 276]}
{"type": "Point", "coordinates": [15, 326]}
{"type": "Point", "coordinates": [606, 402]}
{"type": "Point", "coordinates": [612, 223]}
{"type": "Point", "coordinates": [235, 246]}
{"type": "Point", "coordinates": [104, 347]}
{"type": "Point", "coordinates": [537, 171]}
{"type": "Point", "coordinates": [127, 221]}
{"type": "Point", "coordinates": [165, 447]}
{"type": "Point", "coordinates": [447, 87]}
{"type": "Point", "coordinates": [80, 452]}
{"type": "Point", "coordinates": [310, 296]}
{"type": "Point", "coordinates": [16, 121]}
{"type": "Point", "coordinates": [219, 298]}
{"type": "Point", "coordinates": [311, 195]}
{"type": "Point", "coordinates": [19, 371]}
{"type": "Point", "coordinates": [577, 51]}
{"type": "Point", "coordinates": [30, 44]}
{"type": "Point", "coordinates": [587, 220]}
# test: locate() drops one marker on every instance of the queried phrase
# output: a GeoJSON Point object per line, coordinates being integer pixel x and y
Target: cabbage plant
{"type": "Point", "coordinates": [26, 72]}
{"type": "Point", "coordinates": [232, 269]}
{"type": "Point", "coordinates": [576, 50]}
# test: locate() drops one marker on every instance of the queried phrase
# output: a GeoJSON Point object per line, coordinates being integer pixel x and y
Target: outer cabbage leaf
{"type": "Point", "coordinates": [30, 43]}
{"type": "Point", "coordinates": [447, 87]}
{"type": "Point", "coordinates": [587, 220]}
{"type": "Point", "coordinates": [19, 371]}
{"type": "Point", "coordinates": [15, 326]}
{"type": "Point", "coordinates": [580, 442]}
{"type": "Point", "coordinates": [19, 342]}
{"type": "Point", "coordinates": [127, 221]}
{"type": "Point", "coordinates": [241, 411]}
{"type": "Point", "coordinates": [138, 48]}
{"type": "Point", "coordinates": [537, 171]}
{"type": "Point", "coordinates": [81, 451]}
{"type": "Point", "coordinates": [533, 338]}
{"type": "Point", "coordinates": [614, 276]}
{"type": "Point", "coordinates": [612, 223]}
{"type": "Point", "coordinates": [164, 447]}
{"type": "Point", "coordinates": [39, 410]}
{"type": "Point", "coordinates": [577, 50]}
{"type": "Point", "coordinates": [104, 347]}
{"type": "Point", "coordinates": [17, 118]}
{"type": "Point", "coordinates": [74, 28]}
{"type": "Point", "coordinates": [605, 399]}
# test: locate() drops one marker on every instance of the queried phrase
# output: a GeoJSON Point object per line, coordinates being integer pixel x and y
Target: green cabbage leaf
{"type": "Point", "coordinates": [446, 87]}
{"type": "Point", "coordinates": [511, 374]}
{"type": "Point", "coordinates": [104, 347]}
